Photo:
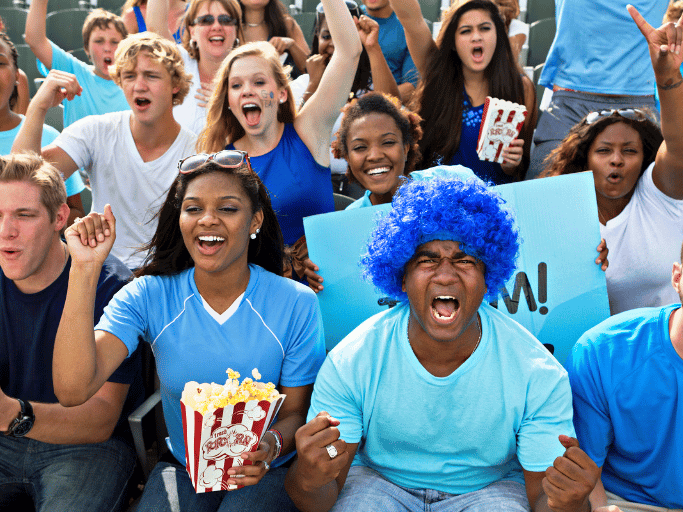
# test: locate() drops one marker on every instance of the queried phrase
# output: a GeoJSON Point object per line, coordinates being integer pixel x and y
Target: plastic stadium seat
{"type": "Point", "coordinates": [62, 5]}
{"type": "Point", "coordinates": [539, 88]}
{"type": "Point", "coordinates": [15, 23]}
{"type": "Point", "coordinates": [541, 35]}
{"type": "Point", "coordinates": [64, 28]}
{"type": "Point", "coordinates": [306, 21]}
{"type": "Point", "coordinates": [539, 10]}
{"type": "Point", "coordinates": [80, 54]}
{"type": "Point", "coordinates": [27, 63]}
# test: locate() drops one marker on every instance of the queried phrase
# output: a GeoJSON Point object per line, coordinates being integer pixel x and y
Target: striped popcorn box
{"type": "Point", "coordinates": [219, 428]}
{"type": "Point", "coordinates": [501, 123]}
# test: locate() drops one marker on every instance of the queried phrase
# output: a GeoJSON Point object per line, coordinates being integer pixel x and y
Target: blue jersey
{"type": "Point", "coordinates": [627, 382]}
{"type": "Point", "coordinates": [274, 326]}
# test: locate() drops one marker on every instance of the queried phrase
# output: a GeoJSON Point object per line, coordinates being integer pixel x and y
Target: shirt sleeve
{"type": "Point", "coordinates": [125, 316]}
{"type": "Point", "coordinates": [332, 394]}
{"type": "Point", "coordinates": [77, 141]}
{"type": "Point", "coordinates": [591, 409]}
{"type": "Point", "coordinates": [306, 350]}
{"type": "Point", "coordinates": [409, 71]}
{"type": "Point", "coordinates": [548, 414]}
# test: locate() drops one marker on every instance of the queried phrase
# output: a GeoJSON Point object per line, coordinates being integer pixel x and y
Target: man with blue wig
{"type": "Point", "coordinates": [441, 403]}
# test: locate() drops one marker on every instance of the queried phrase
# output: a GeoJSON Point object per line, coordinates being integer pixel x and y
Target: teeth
{"type": "Point", "coordinates": [438, 315]}
{"type": "Point", "coordinates": [250, 105]}
{"type": "Point", "coordinates": [379, 170]}
{"type": "Point", "coordinates": [221, 39]}
{"type": "Point", "coordinates": [211, 239]}
{"type": "Point", "coordinates": [444, 297]}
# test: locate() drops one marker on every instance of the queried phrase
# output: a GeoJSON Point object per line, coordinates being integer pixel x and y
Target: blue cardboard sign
{"type": "Point", "coordinates": [557, 291]}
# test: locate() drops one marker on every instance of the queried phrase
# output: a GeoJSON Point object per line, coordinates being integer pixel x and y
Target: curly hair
{"type": "Point", "coordinates": [167, 253]}
{"type": "Point", "coordinates": [232, 7]}
{"type": "Point", "coordinates": [465, 211]}
{"type": "Point", "coordinates": [160, 50]}
{"type": "Point", "coordinates": [15, 61]}
{"type": "Point", "coordinates": [572, 154]}
{"type": "Point", "coordinates": [222, 127]}
{"type": "Point", "coordinates": [439, 98]}
{"type": "Point", "coordinates": [379, 103]}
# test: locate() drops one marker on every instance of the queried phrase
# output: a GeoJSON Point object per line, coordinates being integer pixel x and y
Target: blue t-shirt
{"type": "Point", "coordinates": [275, 326]}
{"type": "Point", "coordinates": [627, 382]}
{"type": "Point", "coordinates": [99, 96]}
{"type": "Point", "coordinates": [298, 185]}
{"type": "Point", "coordinates": [74, 184]}
{"type": "Point", "coordinates": [28, 326]}
{"type": "Point", "coordinates": [505, 406]}
{"type": "Point", "coordinates": [142, 25]}
{"type": "Point", "coordinates": [392, 41]}
{"type": "Point", "coordinates": [466, 154]}
{"type": "Point", "coordinates": [585, 28]}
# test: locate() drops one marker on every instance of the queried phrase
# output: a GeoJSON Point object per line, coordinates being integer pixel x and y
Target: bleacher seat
{"type": "Point", "coordinates": [15, 23]}
{"type": "Point", "coordinates": [27, 63]}
{"type": "Point", "coordinates": [111, 5]}
{"type": "Point", "coordinates": [80, 54]}
{"type": "Point", "coordinates": [541, 35]}
{"type": "Point", "coordinates": [306, 21]}
{"type": "Point", "coordinates": [64, 28]}
{"type": "Point", "coordinates": [62, 5]}
{"type": "Point", "coordinates": [539, 10]}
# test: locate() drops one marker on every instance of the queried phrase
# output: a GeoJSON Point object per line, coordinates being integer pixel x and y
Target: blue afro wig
{"type": "Point", "coordinates": [443, 209]}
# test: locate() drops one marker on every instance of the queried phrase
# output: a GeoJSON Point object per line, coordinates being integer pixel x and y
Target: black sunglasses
{"type": "Point", "coordinates": [228, 159]}
{"type": "Point", "coordinates": [629, 113]}
{"type": "Point", "coordinates": [353, 8]}
{"type": "Point", "coordinates": [207, 20]}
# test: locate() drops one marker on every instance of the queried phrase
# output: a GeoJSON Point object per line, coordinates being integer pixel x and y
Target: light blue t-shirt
{"type": "Point", "coordinates": [627, 382]}
{"type": "Point", "coordinates": [74, 184]}
{"type": "Point", "coordinates": [578, 58]}
{"type": "Point", "coordinates": [392, 41]}
{"type": "Point", "coordinates": [505, 406]}
{"type": "Point", "coordinates": [274, 326]}
{"type": "Point", "coordinates": [99, 96]}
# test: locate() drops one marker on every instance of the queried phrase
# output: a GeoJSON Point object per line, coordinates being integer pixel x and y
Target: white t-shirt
{"type": "Point", "coordinates": [644, 241]}
{"type": "Point", "coordinates": [189, 114]}
{"type": "Point", "coordinates": [518, 27]}
{"type": "Point", "coordinates": [104, 146]}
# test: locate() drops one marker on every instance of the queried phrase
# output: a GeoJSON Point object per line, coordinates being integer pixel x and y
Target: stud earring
{"type": "Point", "coordinates": [253, 235]}
{"type": "Point", "coordinates": [282, 101]}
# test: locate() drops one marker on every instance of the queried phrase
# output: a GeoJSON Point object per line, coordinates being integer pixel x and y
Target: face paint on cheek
{"type": "Point", "coordinates": [264, 95]}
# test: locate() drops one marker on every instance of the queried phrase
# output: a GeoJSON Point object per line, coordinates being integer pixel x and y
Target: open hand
{"type": "Point", "coordinates": [204, 93]}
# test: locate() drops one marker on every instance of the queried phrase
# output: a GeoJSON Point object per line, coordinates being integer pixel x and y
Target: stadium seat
{"type": "Point", "coordinates": [306, 21]}
{"type": "Point", "coordinates": [64, 28]}
{"type": "Point", "coordinates": [15, 23]}
{"type": "Point", "coordinates": [541, 35]}
{"type": "Point", "coordinates": [539, 10]}
{"type": "Point", "coordinates": [27, 63]}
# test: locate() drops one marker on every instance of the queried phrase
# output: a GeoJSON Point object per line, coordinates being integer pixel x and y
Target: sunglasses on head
{"type": "Point", "coordinates": [208, 19]}
{"type": "Point", "coordinates": [629, 113]}
{"type": "Point", "coordinates": [228, 159]}
{"type": "Point", "coordinates": [352, 6]}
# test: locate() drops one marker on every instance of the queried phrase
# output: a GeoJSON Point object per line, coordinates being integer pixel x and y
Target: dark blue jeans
{"type": "Point", "coordinates": [169, 489]}
{"type": "Point", "coordinates": [81, 477]}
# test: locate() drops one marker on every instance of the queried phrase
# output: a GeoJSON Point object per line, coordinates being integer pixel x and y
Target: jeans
{"type": "Point", "coordinates": [366, 491]}
{"type": "Point", "coordinates": [169, 489]}
{"type": "Point", "coordinates": [57, 477]}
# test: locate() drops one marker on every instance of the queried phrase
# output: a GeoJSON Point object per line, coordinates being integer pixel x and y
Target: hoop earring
{"type": "Point", "coordinates": [236, 43]}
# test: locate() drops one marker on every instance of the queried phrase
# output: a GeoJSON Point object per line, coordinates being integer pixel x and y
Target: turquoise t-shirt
{"type": "Point", "coordinates": [74, 185]}
{"type": "Point", "coordinates": [499, 412]}
{"type": "Point", "coordinates": [99, 96]}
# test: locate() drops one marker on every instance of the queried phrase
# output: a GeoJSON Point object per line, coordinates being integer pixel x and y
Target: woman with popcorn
{"type": "Point", "coordinates": [209, 296]}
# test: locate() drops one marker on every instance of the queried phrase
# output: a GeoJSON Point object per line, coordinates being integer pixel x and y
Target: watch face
{"type": "Point", "coordinates": [22, 428]}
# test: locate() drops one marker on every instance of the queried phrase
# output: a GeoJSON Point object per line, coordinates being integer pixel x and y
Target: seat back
{"type": "Point", "coordinates": [14, 19]}
{"type": "Point", "coordinates": [64, 28]}
{"type": "Point", "coordinates": [541, 35]}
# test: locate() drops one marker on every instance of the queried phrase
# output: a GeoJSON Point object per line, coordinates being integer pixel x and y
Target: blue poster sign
{"type": "Point", "coordinates": [557, 291]}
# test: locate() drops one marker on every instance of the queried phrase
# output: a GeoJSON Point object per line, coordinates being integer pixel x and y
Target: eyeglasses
{"type": "Point", "coordinates": [207, 20]}
{"type": "Point", "coordinates": [629, 113]}
{"type": "Point", "coordinates": [228, 159]}
{"type": "Point", "coordinates": [352, 6]}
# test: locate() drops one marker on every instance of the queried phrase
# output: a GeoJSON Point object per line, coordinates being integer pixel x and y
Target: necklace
{"type": "Point", "coordinates": [601, 216]}
{"type": "Point", "coordinates": [254, 25]}
{"type": "Point", "coordinates": [479, 339]}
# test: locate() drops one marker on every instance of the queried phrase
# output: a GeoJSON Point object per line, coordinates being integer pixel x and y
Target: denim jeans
{"type": "Point", "coordinates": [366, 490]}
{"type": "Point", "coordinates": [56, 477]}
{"type": "Point", "coordinates": [169, 489]}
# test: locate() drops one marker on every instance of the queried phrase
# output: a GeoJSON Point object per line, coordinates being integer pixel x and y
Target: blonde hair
{"type": "Point", "coordinates": [221, 124]}
{"type": "Point", "coordinates": [673, 12]}
{"type": "Point", "coordinates": [161, 51]}
{"type": "Point", "coordinates": [33, 169]}
{"type": "Point", "coordinates": [231, 6]}
{"type": "Point", "coordinates": [101, 19]}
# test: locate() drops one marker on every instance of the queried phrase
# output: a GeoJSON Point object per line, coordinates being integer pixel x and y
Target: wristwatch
{"type": "Point", "coordinates": [23, 423]}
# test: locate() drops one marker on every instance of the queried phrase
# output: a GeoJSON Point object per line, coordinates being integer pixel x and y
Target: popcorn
{"type": "Point", "coordinates": [500, 125]}
{"type": "Point", "coordinates": [221, 422]}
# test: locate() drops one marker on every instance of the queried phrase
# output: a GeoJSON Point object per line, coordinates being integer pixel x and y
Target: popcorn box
{"type": "Point", "coordinates": [215, 440]}
{"type": "Point", "coordinates": [501, 123]}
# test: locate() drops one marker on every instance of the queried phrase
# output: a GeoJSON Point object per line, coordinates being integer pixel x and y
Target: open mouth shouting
{"type": "Point", "coordinates": [210, 244]}
{"type": "Point", "coordinates": [252, 113]}
{"type": "Point", "coordinates": [445, 308]}
{"type": "Point", "coordinates": [478, 54]}
{"type": "Point", "coordinates": [217, 40]}
{"type": "Point", "coordinates": [142, 103]}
